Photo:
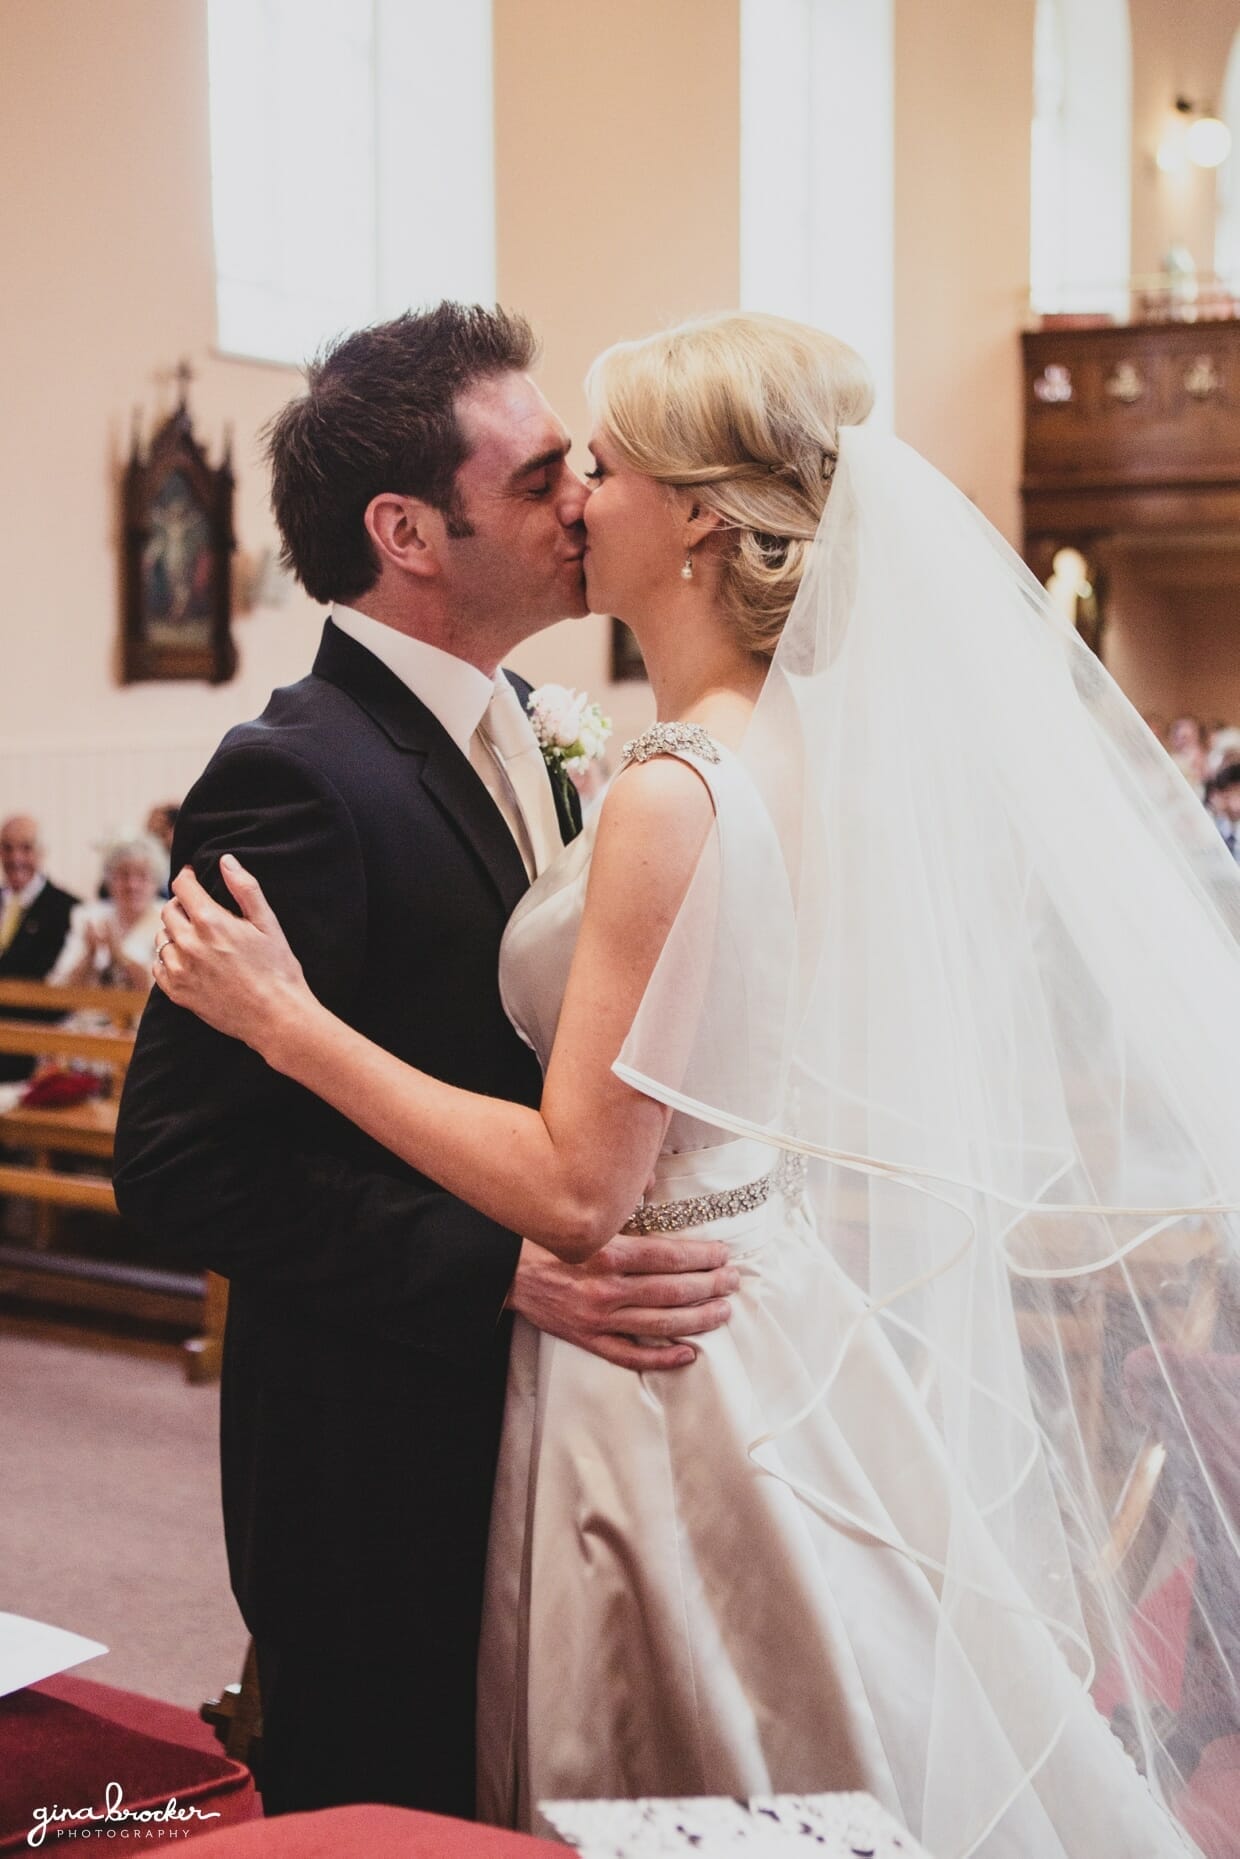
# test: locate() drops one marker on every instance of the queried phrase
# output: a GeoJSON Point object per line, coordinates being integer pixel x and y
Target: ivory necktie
{"type": "Point", "coordinates": [510, 736]}
{"type": "Point", "coordinates": [10, 922]}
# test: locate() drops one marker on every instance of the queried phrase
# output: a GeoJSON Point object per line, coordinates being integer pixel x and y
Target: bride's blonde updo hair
{"type": "Point", "coordinates": [745, 410]}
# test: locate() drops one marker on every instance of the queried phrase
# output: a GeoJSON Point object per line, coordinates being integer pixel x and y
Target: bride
{"type": "Point", "coordinates": [899, 958]}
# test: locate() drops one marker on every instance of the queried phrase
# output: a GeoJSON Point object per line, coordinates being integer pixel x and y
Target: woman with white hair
{"type": "Point", "coordinates": [111, 940]}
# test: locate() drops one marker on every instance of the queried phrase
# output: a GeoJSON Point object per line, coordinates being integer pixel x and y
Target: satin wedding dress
{"type": "Point", "coordinates": [677, 1603]}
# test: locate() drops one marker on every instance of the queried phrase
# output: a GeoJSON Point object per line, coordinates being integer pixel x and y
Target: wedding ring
{"type": "Point", "coordinates": [161, 946]}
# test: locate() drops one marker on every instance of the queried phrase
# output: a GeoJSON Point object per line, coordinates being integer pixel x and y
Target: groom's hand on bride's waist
{"type": "Point", "coordinates": [634, 1302]}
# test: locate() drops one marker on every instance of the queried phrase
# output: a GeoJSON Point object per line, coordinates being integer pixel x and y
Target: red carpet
{"type": "Point", "coordinates": [65, 1744]}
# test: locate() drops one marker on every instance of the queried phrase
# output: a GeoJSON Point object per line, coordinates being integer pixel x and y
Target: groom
{"type": "Point", "coordinates": [394, 808]}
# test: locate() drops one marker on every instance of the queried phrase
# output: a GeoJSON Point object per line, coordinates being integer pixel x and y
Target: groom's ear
{"type": "Point", "coordinates": [407, 533]}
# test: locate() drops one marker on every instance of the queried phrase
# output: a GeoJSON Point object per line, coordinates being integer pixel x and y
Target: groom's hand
{"type": "Point", "coordinates": [634, 1302]}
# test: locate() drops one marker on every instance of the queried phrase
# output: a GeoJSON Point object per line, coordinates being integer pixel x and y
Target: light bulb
{"type": "Point", "coordinates": [1208, 142]}
{"type": "Point", "coordinates": [1171, 158]}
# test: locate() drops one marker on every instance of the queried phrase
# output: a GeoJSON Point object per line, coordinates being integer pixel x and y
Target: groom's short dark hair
{"type": "Point", "coordinates": [379, 414]}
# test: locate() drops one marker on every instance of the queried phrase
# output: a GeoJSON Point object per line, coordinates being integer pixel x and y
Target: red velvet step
{"type": "Point", "coordinates": [66, 1742]}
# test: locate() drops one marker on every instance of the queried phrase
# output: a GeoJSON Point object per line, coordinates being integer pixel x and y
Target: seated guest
{"type": "Point", "coordinates": [1223, 800]}
{"type": "Point", "coordinates": [1224, 749]}
{"type": "Point", "coordinates": [34, 913]}
{"type": "Point", "coordinates": [34, 920]}
{"type": "Point", "coordinates": [113, 941]}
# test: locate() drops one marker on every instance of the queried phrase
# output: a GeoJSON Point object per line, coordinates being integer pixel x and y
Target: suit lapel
{"type": "Point", "coordinates": [445, 773]}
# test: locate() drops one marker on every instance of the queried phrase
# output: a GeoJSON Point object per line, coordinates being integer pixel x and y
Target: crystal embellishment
{"type": "Point", "coordinates": [787, 1179]}
{"type": "Point", "coordinates": [670, 739]}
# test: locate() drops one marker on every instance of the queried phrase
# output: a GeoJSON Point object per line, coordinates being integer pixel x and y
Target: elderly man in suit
{"type": "Point", "coordinates": [34, 918]}
{"type": "Point", "coordinates": [394, 806]}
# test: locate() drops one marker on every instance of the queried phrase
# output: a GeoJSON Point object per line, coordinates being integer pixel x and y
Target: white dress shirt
{"type": "Point", "coordinates": [457, 695]}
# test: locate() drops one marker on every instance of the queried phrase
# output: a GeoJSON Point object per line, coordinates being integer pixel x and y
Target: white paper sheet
{"type": "Point", "coordinates": [836, 1826]}
{"type": "Point", "coordinates": [30, 1650]}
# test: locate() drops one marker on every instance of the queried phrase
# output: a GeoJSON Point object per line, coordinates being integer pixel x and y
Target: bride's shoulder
{"type": "Point", "coordinates": [659, 808]}
{"type": "Point", "coordinates": [670, 739]}
{"type": "Point", "coordinates": [668, 767]}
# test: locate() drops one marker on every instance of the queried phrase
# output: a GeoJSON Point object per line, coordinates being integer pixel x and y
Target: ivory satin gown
{"type": "Point", "coordinates": [665, 1616]}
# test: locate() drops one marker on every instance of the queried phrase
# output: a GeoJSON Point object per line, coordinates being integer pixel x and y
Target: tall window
{"type": "Point", "coordinates": [1081, 209]}
{"type": "Point", "coordinates": [817, 103]}
{"type": "Point", "coordinates": [352, 164]}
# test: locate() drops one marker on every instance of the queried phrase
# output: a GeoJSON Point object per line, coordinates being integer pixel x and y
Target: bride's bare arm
{"type": "Point", "coordinates": [567, 1175]}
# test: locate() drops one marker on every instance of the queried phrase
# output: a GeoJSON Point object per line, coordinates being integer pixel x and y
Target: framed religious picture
{"type": "Point", "coordinates": [178, 545]}
{"type": "Point", "coordinates": [627, 663]}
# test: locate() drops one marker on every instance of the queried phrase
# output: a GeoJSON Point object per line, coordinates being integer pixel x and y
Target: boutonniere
{"type": "Point", "coordinates": [571, 731]}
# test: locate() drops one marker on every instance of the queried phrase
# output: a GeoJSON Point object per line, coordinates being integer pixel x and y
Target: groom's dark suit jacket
{"type": "Point", "coordinates": [365, 1352]}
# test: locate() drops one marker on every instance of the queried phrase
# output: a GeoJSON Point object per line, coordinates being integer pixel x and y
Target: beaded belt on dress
{"type": "Point", "coordinates": [675, 1216]}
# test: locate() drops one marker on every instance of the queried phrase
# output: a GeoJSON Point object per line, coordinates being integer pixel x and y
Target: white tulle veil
{"type": "Point", "coordinates": [985, 978]}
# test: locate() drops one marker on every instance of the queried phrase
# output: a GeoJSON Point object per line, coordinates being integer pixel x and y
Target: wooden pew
{"type": "Point", "coordinates": [88, 1128]}
{"type": "Point", "coordinates": [32, 1138]}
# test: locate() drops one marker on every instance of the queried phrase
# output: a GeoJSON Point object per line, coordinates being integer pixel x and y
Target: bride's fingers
{"type": "Point", "coordinates": [248, 893]}
{"type": "Point", "coordinates": [173, 917]}
{"type": "Point", "coordinates": [168, 969]}
{"type": "Point", "coordinates": [197, 904]}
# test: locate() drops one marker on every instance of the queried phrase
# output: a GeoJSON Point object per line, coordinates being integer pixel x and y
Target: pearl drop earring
{"type": "Point", "coordinates": [686, 573]}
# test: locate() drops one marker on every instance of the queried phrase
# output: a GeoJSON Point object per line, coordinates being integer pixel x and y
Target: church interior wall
{"type": "Point", "coordinates": [1178, 50]}
{"type": "Point", "coordinates": [617, 155]}
{"type": "Point", "coordinates": [107, 242]}
{"type": "Point", "coordinates": [964, 84]}
{"type": "Point", "coordinates": [617, 211]}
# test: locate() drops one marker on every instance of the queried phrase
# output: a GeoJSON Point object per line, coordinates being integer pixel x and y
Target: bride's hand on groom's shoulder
{"type": "Point", "coordinates": [634, 1303]}
{"type": "Point", "coordinates": [235, 971]}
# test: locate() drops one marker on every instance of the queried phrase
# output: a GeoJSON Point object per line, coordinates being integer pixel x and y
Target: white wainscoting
{"type": "Point", "coordinates": [84, 793]}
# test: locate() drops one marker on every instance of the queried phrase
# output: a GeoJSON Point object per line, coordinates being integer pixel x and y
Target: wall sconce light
{"type": "Point", "coordinates": [1196, 135]}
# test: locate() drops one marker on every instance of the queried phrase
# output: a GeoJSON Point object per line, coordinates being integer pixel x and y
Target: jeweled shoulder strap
{"type": "Point", "coordinates": [670, 739]}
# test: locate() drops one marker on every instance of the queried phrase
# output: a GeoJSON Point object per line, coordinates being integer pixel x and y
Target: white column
{"type": "Point", "coordinates": [817, 171]}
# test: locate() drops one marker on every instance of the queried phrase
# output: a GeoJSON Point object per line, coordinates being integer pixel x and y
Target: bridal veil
{"type": "Point", "coordinates": [989, 991]}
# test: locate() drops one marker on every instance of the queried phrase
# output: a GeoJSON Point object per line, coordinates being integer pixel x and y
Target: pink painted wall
{"type": "Point", "coordinates": [964, 98]}
{"type": "Point", "coordinates": [617, 207]}
{"type": "Point", "coordinates": [1179, 48]}
{"type": "Point", "coordinates": [106, 233]}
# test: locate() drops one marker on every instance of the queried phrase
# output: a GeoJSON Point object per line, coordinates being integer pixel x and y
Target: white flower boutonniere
{"type": "Point", "coordinates": [572, 732]}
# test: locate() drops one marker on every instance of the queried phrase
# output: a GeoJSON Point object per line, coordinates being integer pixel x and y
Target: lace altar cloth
{"type": "Point", "coordinates": [779, 1826]}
